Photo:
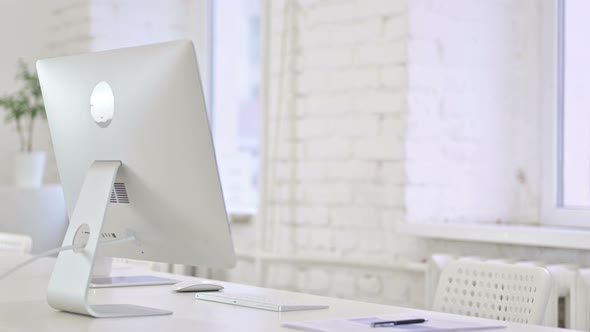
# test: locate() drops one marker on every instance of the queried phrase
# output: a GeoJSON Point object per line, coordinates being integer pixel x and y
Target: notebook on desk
{"type": "Point", "coordinates": [364, 324]}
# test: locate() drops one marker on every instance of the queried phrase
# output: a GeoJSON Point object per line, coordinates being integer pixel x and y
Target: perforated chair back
{"type": "Point", "coordinates": [15, 243]}
{"type": "Point", "coordinates": [503, 292]}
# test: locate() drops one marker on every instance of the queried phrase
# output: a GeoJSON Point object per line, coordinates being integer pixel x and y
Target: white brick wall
{"type": "Point", "coordinates": [473, 112]}
{"type": "Point", "coordinates": [397, 111]}
{"type": "Point", "coordinates": [344, 100]}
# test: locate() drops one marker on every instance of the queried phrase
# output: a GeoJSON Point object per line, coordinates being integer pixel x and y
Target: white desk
{"type": "Point", "coordinates": [38, 212]}
{"type": "Point", "coordinates": [23, 308]}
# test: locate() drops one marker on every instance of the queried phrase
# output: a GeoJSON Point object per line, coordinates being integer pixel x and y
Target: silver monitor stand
{"type": "Point", "coordinates": [102, 276]}
{"type": "Point", "coordinates": [69, 283]}
{"type": "Point", "coordinates": [132, 123]}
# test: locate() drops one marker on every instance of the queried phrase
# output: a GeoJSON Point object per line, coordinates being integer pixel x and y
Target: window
{"type": "Point", "coordinates": [574, 107]}
{"type": "Point", "coordinates": [567, 200]}
{"type": "Point", "coordinates": [235, 79]}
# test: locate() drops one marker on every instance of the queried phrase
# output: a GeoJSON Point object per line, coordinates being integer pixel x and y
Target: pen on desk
{"type": "Point", "coordinates": [386, 323]}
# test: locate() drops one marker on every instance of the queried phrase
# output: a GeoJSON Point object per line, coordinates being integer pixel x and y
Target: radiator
{"type": "Point", "coordinates": [568, 305]}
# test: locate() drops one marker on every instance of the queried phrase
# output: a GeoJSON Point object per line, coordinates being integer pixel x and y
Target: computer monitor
{"type": "Point", "coordinates": [135, 157]}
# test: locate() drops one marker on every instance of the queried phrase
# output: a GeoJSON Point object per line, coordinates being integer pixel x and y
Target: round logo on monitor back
{"type": "Point", "coordinates": [102, 104]}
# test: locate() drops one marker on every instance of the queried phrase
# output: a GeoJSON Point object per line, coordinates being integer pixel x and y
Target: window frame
{"type": "Point", "coordinates": [552, 88]}
{"type": "Point", "coordinates": [242, 212]}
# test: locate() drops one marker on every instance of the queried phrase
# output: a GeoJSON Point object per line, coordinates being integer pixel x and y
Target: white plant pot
{"type": "Point", "coordinates": [29, 169]}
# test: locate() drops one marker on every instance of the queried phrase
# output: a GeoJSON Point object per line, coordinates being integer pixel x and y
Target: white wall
{"type": "Point", "coordinates": [395, 111]}
{"type": "Point", "coordinates": [473, 128]}
{"type": "Point", "coordinates": [24, 34]}
{"type": "Point", "coordinates": [335, 166]}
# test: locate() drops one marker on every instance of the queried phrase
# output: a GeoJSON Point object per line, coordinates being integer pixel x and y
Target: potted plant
{"type": "Point", "coordinates": [23, 108]}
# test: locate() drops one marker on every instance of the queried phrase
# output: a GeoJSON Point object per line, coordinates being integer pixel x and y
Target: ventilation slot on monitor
{"type": "Point", "coordinates": [109, 235]}
{"type": "Point", "coordinates": [119, 193]}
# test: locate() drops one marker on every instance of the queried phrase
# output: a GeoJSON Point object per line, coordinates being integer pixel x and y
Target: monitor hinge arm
{"type": "Point", "coordinates": [68, 286]}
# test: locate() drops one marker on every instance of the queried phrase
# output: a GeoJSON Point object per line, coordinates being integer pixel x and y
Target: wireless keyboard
{"type": "Point", "coordinates": [273, 303]}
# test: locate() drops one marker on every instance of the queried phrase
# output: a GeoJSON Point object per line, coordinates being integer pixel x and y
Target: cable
{"type": "Point", "coordinates": [34, 258]}
{"type": "Point", "coordinates": [57, 250]}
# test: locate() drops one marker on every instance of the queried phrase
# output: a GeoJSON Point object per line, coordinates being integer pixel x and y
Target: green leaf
{"type": "Point", "coordinates": [27, 101]}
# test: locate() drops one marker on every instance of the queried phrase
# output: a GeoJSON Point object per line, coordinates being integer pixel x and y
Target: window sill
{"type": "Point", "coordinates": [337, 261]}
{"type": "Point", "coordinates": [536, 236]}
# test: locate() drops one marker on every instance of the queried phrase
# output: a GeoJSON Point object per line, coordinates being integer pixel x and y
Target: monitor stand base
{"type": "Point", "coordinates": [125, 310]}
{"type": "Point", "coordinates": [68, 286]}
{"type": "Point", "coordinates": [103, 277]}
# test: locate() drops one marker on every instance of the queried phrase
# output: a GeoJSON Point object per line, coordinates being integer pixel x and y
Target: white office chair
{"type": "Point", "coordinates": [504, 292]}
{"type": "Point", "coordinates": [15, 243]}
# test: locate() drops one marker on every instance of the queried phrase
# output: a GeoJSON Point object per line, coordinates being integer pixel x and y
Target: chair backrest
{"type": "Point", "coordinates": [504, 292]}
{"type": "Point", "coordinates": [15, 243]}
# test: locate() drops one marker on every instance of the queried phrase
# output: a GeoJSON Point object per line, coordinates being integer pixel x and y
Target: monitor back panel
{"type": "Point", "coordinates": [167, 191]}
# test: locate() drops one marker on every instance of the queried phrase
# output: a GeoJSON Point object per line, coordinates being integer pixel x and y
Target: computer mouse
{"type": "Point", "coordinates": [196, 286]}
